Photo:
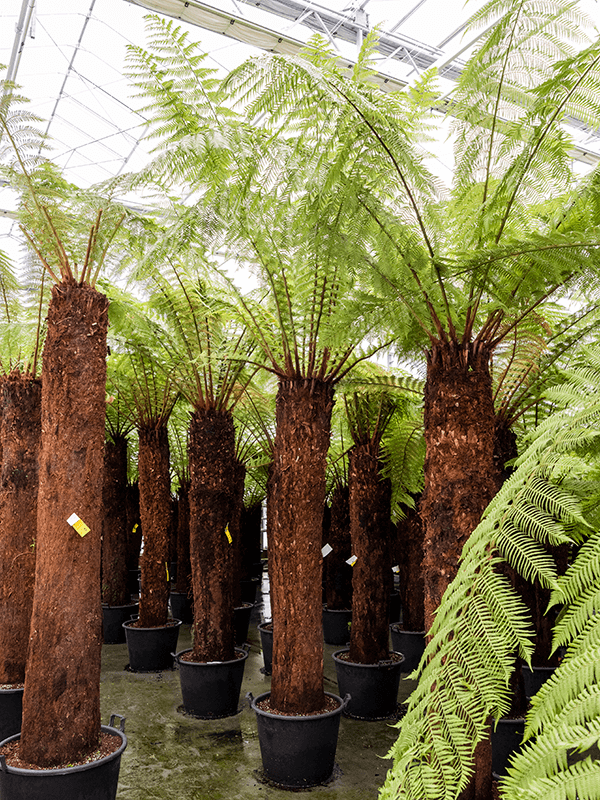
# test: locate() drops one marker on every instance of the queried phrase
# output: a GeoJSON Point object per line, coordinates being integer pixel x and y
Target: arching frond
{"type": "Point", "coordinates": [482, 623]}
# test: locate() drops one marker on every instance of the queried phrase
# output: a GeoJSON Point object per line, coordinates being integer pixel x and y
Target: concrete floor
{"type": "Point", "coordinates": [173, 757]}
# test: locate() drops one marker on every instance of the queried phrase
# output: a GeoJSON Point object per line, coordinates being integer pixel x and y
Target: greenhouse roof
{"type": "Point", "coordinates": [67, 56]}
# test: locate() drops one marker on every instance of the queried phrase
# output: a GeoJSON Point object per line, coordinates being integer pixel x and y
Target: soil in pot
{"type": "Point", "coordinates": [373, 688]}
{"type": "Point", "coordinates": [151, 649]}
{"type": "Point", "coordinates": [298, 751]}
{"type": "Point", "coordinates": [211, 690]}
{"type": "Point", "coordinates": [94, 778]}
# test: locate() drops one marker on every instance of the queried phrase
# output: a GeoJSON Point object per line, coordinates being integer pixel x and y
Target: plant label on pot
{"type": "Point", "coordinates": [78, 524]}
{"type": "Point", "coordinates": [326, 549]}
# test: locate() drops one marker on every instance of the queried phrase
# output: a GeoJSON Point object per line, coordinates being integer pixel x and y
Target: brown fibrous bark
{"type": "Point", "coordinates": [20, 446]}
{"type": "Point", "coordinates": [214, 521]}
{"type": "Point", "coordinates": [297, 487]}
{"type": "Point", "coordinates": [61, 704]}
{"type": "Point", "coordinates": [370, 501]}
{"type": "Point", "coordinates": [155, 512]}
{"type": "Point", "coordinates": [460, 473]}
{"type": "Point", "coordinates": [338, 574]}
{"type": "Point", "coordinates": [114, 529]}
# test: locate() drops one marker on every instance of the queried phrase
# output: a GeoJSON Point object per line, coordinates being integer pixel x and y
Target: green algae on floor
{"type": "Point", "coordinates": [172, 756]}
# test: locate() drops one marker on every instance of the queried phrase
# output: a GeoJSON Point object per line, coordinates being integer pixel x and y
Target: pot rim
{"type": "Point", "coordinates": [300, 717]}
{"type": "Point", "coordinates": [49, 772]}
{"type": "Point", "coordinates": [210, 663]}
{"type": "Point", "coordinates": [125, 605]}
{"type": "Point", "coordinates": [337, 610]}
{"type": "Point", "coordinates": [12, 691]}
{"type": "Point", "coordinates": [379, 664]}
{"type": "Point", "coordinates": [129, 622]}
{"type": "Point", "coordinates": [394, 625]}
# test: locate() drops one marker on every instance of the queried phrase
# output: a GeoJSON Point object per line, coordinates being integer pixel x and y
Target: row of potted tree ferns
{"type": "Point", "coordinates": [367, 252]}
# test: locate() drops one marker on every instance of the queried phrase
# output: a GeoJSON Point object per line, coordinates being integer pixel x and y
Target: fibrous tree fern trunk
{"type": "Point", "coordinates": [134, 524]}
{"type": "Point", "coordinates": [61, 705]}
{"type": "Point", "coordinates": [20, 434]}
{"type": "Point", "coordinates": [460, 473]}
{"type": "Point", "coordinates": [250, 538]}
{"type": "Point", "coordinates": [183, 583]}
{"type": "Point", "coordinates": [370, 501]}
{"type": "Point", "coordinates": [297, 483]}
{"type": "Point", "coordinates": [410, 558]}
{"type": "Point", "coordinates": [155, 512]}
{"type": "Point", "coordinates": [115, 590]}
{"type": "Point", "coordinates": [338, 574]}
{"type": "Point", "coordinates": [236, 532]}
{"type": "Point", "coordinates": [214, 513]}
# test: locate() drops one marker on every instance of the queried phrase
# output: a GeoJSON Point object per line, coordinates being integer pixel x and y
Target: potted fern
{"type": "Point", "coordinates": [62, 674]}
{"type": "Point", "coordinates": [368, 670]}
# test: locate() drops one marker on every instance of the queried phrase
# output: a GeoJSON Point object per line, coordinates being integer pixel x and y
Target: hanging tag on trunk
{"type": "Point", "coordinates": [326, 549]}
{"type": "Point", "coordinates": [167, 568]}
{"type": "Point", "coordinates": [396, 569]}
{"type": "Point", "coordinates": [135, 527]}
{"type": "Point", "coordinates": [227, 534]}
{"type": "Point", "coordinates": [78, 524]}
{"type": "Point", "coordinates": [352, 560]}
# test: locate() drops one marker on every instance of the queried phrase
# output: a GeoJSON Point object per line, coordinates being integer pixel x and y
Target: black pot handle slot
{"type": "Point", "coordinates": [112, 720]}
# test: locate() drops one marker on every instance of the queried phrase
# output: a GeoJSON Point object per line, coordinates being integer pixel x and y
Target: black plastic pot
{"type": "Point", "coordinates": [297, 752]}
{"type": "Point", "coordinates": [395, 606]}
{"type": "Point", "coordinates": [133, 581]}
{"type": "Point", "coordinates": [249, 589]}
{"type": "Point", "coordinates": [241, 622]}
{"type": "Point", "coordinates": [534, 679]}
{"type": "Point", "coordinates": [335, 625]}
{"type": "Point", "coordinates": [410, 643]}
{"type": "Point", "coordinates": [11, 707]}
{"type": "Point", "coordinates": [94, 781]}
{"type": "Point", "coordinates": [266, 641]}
{"type": "Point", "coordinates": [182, 607]}
{"type": "Point", "coordinates": [506, 739]}
{"type": "Point", "coordinates": [113, 618]}
{"type": "Point", "coordinates": [372, 687]}
{"type": "Point", "coordinates": [150, 649]}
{"type": "Point", "coordinates": [211, 690]}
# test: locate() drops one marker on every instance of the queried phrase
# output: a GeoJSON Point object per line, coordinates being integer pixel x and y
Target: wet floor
{"type": "Point", "coordinates": [173, 757]}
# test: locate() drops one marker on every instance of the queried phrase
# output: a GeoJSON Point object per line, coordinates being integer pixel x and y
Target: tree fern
{"type": "Point", "coordinates": [482, 623]}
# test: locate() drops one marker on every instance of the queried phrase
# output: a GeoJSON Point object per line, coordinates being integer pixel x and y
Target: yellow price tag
{"type": "Point", "coordinates": [227, 534]}
{"type": "Point", "coordinates": [135, 527]}
{"type": "Point", "coordinates": [78, 524]}
{"type": "Point", "coordinates": [167, 568]}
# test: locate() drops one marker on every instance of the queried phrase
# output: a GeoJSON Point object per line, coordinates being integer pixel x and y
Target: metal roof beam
{"type": "Point", "coordinates": [23, 23]}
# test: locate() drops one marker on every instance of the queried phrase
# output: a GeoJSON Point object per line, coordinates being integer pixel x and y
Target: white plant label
{"type": "Point", "coordinates": [326, 549]}
{"type": "Point", "coordinates": [352, 560]}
